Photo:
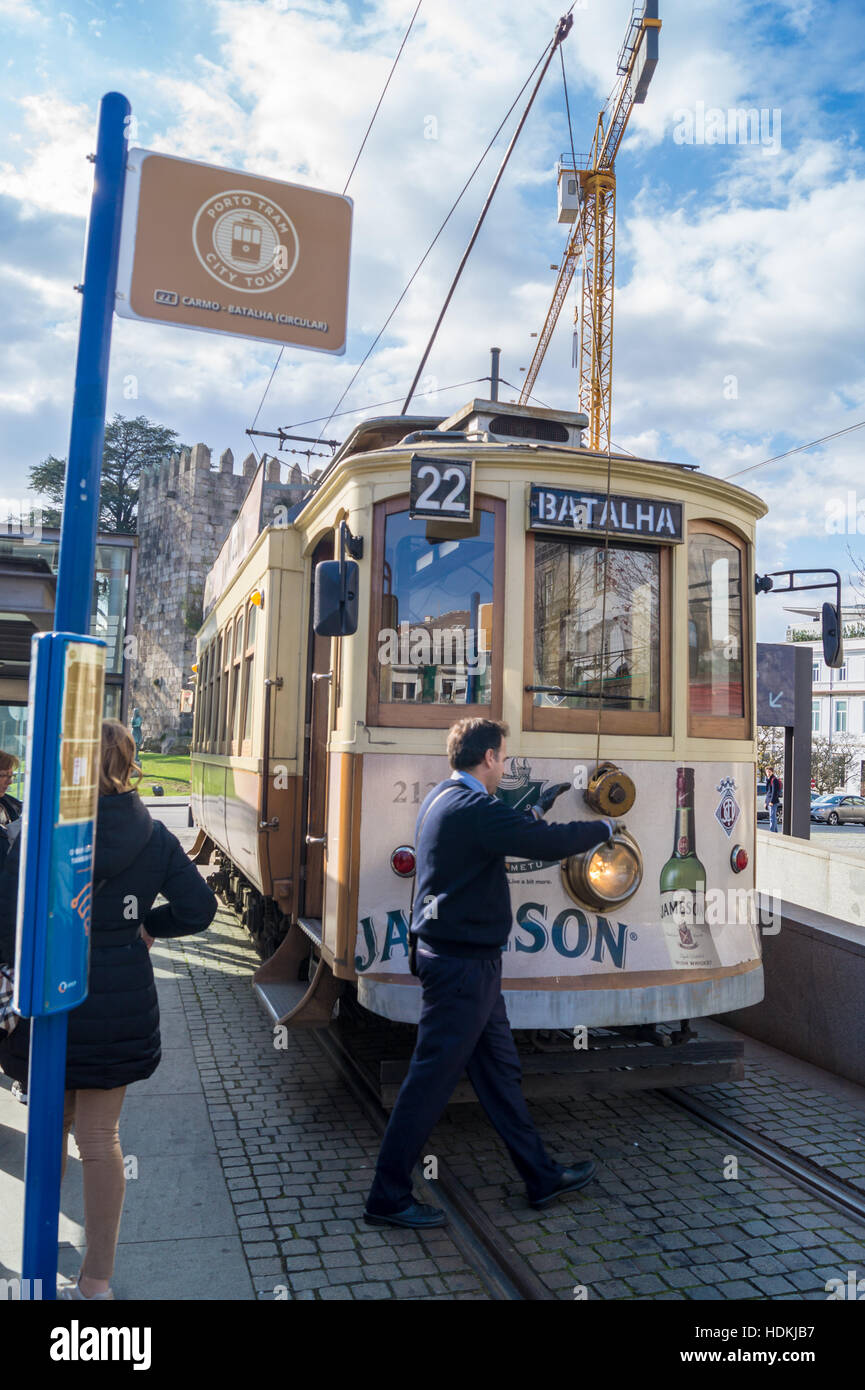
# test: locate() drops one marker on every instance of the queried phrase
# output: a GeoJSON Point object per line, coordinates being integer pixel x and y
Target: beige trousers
{"type": "Point", "coordinates": [93, 1116]}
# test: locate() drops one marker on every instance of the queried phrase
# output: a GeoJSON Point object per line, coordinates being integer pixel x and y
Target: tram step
{"type": "Point", "coordinates": [287, 1000]}
{"type": "Point", "coordinates": [280, 998]}
{"type": "Point", "coordinates": [312, 927]}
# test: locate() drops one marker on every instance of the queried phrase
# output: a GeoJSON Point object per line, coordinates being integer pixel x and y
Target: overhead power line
{"type": "Point", "coordinates": [347, 182]}
{"type": "Point", "coordinates": [800, 448]}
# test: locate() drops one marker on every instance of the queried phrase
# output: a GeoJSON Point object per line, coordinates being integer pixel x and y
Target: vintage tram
{"type": "Point", "coordinates": [488, 564]}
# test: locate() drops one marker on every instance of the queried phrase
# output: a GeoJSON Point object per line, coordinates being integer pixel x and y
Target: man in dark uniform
{"type": "Point", "coordinates": [460, 924]}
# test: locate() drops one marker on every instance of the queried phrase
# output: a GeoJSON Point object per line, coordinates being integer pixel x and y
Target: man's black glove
{"type": "Point", "coordinates": [546, 799]}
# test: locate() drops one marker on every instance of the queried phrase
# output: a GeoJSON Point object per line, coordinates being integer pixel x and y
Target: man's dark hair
{"type": "Point", "coordinates": [469, 739]}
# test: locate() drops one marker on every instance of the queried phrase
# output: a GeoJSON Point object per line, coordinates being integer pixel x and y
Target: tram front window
{"type": "Point", "coordinates": [715, 648]}
{"type": "Point", "coordinates": [586, 646]}
{"type": "Point", "coordinates": [434, 643]}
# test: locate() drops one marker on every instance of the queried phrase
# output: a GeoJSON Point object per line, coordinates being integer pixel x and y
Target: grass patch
{"type": "Point", "coordinates": [171, 773]}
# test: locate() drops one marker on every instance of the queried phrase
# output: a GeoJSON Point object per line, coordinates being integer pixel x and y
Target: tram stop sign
{"type": "Point", "coordinates": [228, 252]}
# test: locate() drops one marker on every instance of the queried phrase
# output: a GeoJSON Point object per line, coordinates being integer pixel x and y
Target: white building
{"type": "Point", "coordinates": [837, 695]}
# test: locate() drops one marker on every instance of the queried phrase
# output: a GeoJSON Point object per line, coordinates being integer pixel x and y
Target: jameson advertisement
{"type": "Point", "coordinates": [692, 911]}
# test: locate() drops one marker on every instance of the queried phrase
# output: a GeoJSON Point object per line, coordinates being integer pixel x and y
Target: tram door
{"type": "Point", "coordinates": [315, 775]}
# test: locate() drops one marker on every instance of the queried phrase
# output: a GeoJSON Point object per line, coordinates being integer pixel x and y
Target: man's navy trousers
{"type": "Point", "coordinates": [463, 1027]}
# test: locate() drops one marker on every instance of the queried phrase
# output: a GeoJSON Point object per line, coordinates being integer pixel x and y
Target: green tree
{"type": "Point", "coordinates": [130, 445]}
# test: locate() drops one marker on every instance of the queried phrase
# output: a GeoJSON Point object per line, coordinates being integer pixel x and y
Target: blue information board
{"type": "Point", "coordinates": [52, 950]}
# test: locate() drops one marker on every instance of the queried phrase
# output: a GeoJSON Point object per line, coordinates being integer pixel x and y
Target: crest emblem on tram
{"type": "Point", "coordinates": [246, 242]}
{"type": "Point", "coordinates": [519, 790]}
{"type": "Point", "coordinates": [727, 811]}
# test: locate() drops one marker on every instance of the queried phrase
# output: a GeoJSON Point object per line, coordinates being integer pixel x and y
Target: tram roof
{"type": "Point", "coordinates": [469, 426]}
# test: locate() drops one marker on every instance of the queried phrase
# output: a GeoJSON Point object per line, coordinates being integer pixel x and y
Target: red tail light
{"type": "Point", "coordinates": [402, 861]}
{"type": "Point", "coordinates": [738, 859]}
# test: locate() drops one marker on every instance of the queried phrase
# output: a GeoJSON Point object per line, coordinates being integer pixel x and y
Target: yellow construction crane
{"type": "Point", "coordinates": [587, 198]}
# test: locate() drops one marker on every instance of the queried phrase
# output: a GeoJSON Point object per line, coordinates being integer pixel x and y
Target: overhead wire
{"type": "Point", "coordinates": [345, 189]}
{"type": "Point", "coordinates": [800, 448]}
{"type": "Point", "coordinates": [432, 244]}
{"type": "Point", "coordinates": [376, 405]}
{"type": "Point", "coordinates": [381, 98]}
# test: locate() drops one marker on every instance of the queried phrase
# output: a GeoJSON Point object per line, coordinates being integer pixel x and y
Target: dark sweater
{"type": "Point", "coordinates": [461, 865]}
{"type": "Point", "coordinates": [114, 1035]}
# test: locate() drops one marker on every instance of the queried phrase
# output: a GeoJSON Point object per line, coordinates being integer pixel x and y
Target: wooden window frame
{"type": "Point", "coordinates": [232, 726]}
{"type": "Point", "coordinates": [543, 719]}
{"type": "Point", "coordinates": [217, 689]}
{"type": "Point", "coordinates": [726, 726]}
{"type": "Point", "coordinates": [400, 715]}
{"type": "Point", "coordinates": [248, 659]}
{"type": "Point", "coordinates": [222, 720]}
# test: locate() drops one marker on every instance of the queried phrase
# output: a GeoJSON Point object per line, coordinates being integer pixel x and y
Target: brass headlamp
{"type": "Point", "coordinates": [606, 876]}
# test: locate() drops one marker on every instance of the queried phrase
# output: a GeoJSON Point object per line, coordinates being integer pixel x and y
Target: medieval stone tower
{"type": "Point", "coordinates": [185, 510]}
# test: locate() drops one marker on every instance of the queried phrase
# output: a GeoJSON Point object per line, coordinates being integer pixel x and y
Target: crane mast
{"type": "Point", "coordinates": [587, 199]}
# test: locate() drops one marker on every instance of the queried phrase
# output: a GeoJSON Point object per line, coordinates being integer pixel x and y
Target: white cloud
{"type": "Point", "coordinates": [55, 173]}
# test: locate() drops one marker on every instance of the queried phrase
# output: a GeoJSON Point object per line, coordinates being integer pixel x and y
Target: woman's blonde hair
{"type": "Point", "coordinates": [118, 764]}
{"type": "Point", "coordinates": [8, 762]}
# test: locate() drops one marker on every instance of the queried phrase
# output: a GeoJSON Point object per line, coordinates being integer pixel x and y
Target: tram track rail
{"type": "Point", "coordinates": [821, 1183]}
{"type": "Point", "coordinates": [505, 1276]}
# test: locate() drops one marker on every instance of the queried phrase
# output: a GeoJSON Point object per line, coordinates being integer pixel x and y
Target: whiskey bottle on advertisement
{"type": "Point", "coordinates": [683, 888]}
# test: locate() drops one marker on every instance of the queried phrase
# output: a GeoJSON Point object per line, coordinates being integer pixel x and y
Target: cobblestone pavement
{"type": "Point", "coordinates": [296, 1149]}
{"type": "Point", "coordinates": [662, 1221]}
{"type": "Point", "coordinates": [824, 1129]}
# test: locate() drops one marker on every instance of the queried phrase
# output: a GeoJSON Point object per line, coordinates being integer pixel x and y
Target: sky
{"type": "Point", "coordinates": [740, 273]}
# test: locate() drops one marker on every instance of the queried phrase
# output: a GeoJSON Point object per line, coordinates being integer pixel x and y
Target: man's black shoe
{"type": "Point", "coordinates": [571, 1180]}
{"type": "Point", "coordinates": [416, 1216]}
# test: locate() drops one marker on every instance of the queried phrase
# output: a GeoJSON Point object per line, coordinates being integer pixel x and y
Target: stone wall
{"type": "Point", "coordinates": [186, 508]}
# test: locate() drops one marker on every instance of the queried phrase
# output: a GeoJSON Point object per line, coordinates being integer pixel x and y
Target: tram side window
{"type": "Point", "coordinates": [206, 724]}
{"type": "Point", "coordinates": [587, 647]}
{"type": "Point", "coordinates": [223, 694]}
{"type": "Point", "coordinates": [234, 704]}
{"type": "Point", "coordinates": [716, 636]}
{"type": "Point", "coordinates": [249, 654]}
{"type": "Point", "coordinates": [217, 688]}
{"type": "Point", "coordinates": [435, 636]}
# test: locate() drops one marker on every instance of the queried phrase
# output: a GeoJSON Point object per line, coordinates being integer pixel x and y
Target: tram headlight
{"type": "Point", "coordinates": [605, 876]}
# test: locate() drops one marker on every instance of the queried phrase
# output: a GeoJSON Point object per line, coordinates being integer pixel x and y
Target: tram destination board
{"type": "Point", "coordinates": [228, 252]}
{"type": "Point", "coordinates": [441, 489]}
{"type": "Point", "coordinates": [569, 509]}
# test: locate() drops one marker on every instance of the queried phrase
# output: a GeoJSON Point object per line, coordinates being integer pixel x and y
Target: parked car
{"type": "Point", "coordinates": [839, 809]}
{"type": "Point", "coordinates": [762, 813]}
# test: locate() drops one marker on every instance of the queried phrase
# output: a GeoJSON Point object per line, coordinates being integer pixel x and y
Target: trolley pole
{"type": "Point", "coordinates": [72, 614]}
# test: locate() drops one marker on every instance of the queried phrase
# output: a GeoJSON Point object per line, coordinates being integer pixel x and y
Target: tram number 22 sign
{"type": "Point", "coordinates": [441, 489]}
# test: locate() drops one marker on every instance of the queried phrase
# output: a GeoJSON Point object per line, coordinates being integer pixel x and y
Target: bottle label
{"type": "Point", "coordinates": [682, 845]}
{"type": "Point", "coordinates": [689, 940]}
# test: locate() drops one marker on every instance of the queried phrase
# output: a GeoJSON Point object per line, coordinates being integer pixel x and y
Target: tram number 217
{"type": "Point", "coordinates": [402, 789]}
{"type": "Point", "coordinates": [442, 489]}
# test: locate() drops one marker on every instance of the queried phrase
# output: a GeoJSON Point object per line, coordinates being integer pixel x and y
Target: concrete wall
{"type": "Point", "coordinates": [814, 965]}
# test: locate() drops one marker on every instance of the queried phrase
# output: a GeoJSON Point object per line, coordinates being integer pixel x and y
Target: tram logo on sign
{"type": "Point", "coordinates": [727, 811]}
{"type": "Point", "coordinates": [245, 241]}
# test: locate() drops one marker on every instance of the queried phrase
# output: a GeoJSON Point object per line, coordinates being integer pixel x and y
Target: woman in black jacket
{"type": "Point", "coordinates": [10, 806]}
{"type": "Point", "coordinates": [114, 1035]}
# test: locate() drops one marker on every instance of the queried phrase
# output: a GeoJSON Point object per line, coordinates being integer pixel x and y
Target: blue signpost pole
{"type": "Point", "coordinates": [72, 614]}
